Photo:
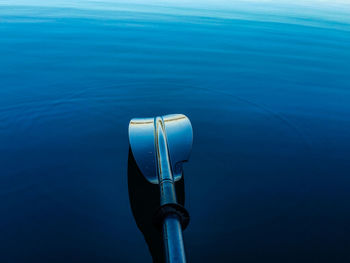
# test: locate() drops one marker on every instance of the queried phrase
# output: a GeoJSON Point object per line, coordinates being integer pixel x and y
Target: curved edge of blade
{"type": "Point", "coordinates": [141, 140]}
{"type": "Point", "coordinates": [180, 140]}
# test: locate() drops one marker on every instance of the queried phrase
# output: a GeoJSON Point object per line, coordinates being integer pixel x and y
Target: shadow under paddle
{"type": "Point", "coordinates": [144, 201]}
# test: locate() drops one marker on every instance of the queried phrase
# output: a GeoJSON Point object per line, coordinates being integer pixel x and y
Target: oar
{"type": "Point", "coordinates": [159, 146]}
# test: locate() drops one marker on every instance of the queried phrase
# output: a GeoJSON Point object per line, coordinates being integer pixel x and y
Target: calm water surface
{"type": "Point", "coordinates": [266, 86]}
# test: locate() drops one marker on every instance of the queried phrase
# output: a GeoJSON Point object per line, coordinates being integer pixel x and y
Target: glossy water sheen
{"type": "Point", "coordinates": [265, 85]}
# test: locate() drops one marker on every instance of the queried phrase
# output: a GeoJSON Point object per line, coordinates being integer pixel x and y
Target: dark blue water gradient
{"type": "Point", "coordinates": [266, 86]}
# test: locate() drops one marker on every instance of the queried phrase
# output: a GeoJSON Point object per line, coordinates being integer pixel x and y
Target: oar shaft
{"type": "Point", "coordinates": [173, 241]}
{"type": "Point", "coordinates": [165, 176]}
{"type": "Point", "coordinates": [172, 230]}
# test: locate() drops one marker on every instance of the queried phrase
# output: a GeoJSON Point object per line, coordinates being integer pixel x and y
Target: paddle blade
{"type": "Point", "coordinates": [179, 135]}
{"type": "Point", "coordinates": [142, 138]}
{"type": "Point", "coordinates": [142, 144]}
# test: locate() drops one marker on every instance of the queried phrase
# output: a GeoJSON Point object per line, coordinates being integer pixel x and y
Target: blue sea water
{"type": "Point", "coordinates": [265, 84]}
